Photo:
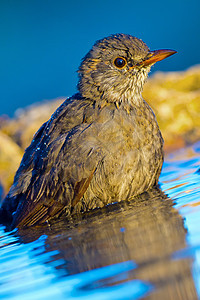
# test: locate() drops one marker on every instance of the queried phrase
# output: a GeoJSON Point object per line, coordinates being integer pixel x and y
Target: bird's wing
{"type": "Point", "coordinates": [56, 170]}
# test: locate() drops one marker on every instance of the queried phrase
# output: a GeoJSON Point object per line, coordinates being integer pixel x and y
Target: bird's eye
{"type": "Point", "coordinates": [120, 62]}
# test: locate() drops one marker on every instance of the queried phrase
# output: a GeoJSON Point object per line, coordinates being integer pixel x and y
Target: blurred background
{"type": "Point", "coordinates": [42, 42]}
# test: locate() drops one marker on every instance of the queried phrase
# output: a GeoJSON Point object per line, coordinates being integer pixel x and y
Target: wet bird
{"type": "Point", "coordinates": [100, 146]}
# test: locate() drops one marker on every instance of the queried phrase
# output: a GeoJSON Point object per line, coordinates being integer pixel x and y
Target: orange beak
{"type": "Point", "coordinates": [157, 55]}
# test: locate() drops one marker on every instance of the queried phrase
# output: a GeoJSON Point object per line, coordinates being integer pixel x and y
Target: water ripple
{"type": "Point", "coordinates": [146, 247]}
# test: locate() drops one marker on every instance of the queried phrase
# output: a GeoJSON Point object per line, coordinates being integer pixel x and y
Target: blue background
{"type": "Point", "coordinates": [42, 42]}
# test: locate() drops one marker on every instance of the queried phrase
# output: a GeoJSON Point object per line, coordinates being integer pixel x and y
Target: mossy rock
{"type": "Point", "coordinates": [175, 99]}
{"type": "Point", "coordinates": [28, 120]}
{"type": "Point", "coordinates": [10, 157]}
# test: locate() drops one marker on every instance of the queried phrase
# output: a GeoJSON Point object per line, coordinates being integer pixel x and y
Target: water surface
{"type": "Point", "coordinates": [147, 248]}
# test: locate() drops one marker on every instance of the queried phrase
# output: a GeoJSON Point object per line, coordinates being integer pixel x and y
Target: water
{"type": "Point", "coordinates": [147, 248]}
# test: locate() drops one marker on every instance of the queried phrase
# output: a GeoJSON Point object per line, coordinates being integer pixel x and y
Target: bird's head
{"type": "Point", "coordinates": [116, 67]}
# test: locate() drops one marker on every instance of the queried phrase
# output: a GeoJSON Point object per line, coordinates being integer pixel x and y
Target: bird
{"type": "Point", "coordinates": [102, 145]}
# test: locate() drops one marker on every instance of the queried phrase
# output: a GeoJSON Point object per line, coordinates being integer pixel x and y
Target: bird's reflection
{"type": "Point", "coordinates": [147, 230]}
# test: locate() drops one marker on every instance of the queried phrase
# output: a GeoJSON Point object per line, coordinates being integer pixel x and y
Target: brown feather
{"type": "Point", "coordinates": [80, 188]}
{"type": "Point", "coordinates": [38, 214]}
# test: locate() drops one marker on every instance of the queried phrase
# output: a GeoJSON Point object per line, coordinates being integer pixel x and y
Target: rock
{"type": "Point", "coordinates": [10, 156]}
{"type": "Point", "coordinates": [175, 99]}
{"type": "Point", "coordinates": [28, 120]}
{"type": "Point", "coordinates": [16, 134]}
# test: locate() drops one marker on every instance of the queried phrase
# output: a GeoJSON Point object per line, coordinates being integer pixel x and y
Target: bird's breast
{"type": "Point", "coordinates": [132, 144]}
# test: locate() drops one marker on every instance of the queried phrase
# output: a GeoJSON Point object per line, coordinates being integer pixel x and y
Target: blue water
{"type": "Point", "coordinates": [42, 42]}
{"type": "Point", "coordinates": [147, 248]}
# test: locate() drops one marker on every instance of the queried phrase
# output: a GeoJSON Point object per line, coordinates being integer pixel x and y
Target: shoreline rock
{"type": "Point", "coordinates": [10, 157]}
{"type": "Point", "coordinates": [173, 96]}
{"type": "Point", "coordinates": [175, 99]}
